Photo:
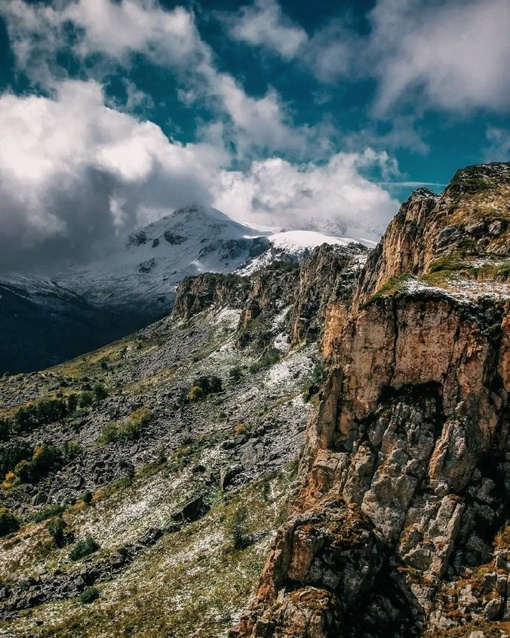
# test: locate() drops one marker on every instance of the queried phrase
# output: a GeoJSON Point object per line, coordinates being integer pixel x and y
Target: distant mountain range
{"type": "Point", "coordinates": [45, 320]}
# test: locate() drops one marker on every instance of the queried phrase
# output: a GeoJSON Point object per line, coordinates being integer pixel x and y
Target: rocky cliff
{"type": "Point", "coordinates": [401, 523]}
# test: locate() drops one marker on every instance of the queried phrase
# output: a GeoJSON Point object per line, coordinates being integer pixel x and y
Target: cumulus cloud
{"type": "Point", "coordinates": [40, 32]}
{"type": "Point", "coordinates": [76, 174]}
{"type": "Point", "coordinates": [453, 55]}
{"type": "Point", "coordinates": [328, 52]}
{"type": "Point", "coordinates": [423, 53]}
{"type": "Point", "coordinates": [116, 31]}
{"type": "Point", "coordinates": [275, 191]}
{"type": "Point", "coordinates": [264, 24]}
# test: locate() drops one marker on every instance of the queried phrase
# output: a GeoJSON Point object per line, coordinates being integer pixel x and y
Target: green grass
{"type": "Point", "coordinates": [390, 288]}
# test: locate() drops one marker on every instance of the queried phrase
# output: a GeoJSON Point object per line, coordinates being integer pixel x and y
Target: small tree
{"type": "Point", "coordinates": [83, 548]}
{"type": "Point", "coordinates": [8, 522]}
{"type": "Point", "coordinates": [56, 528]}
{"type": "Point", "coordinates": [89, 595]}
{"type": "Point", "coordinates": [100, 392]}
{"type": "Point", "coordinates": [72, 403]}
{"type": "Point", "coordinates": [237, 528]}
{"type": "Point", "coordinates": [86, 399]}
{"type": "Point", "coordinates": [86, 497]}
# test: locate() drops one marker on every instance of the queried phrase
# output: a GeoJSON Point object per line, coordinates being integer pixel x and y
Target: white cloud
{"type": "Point", "coordinates": [117, 30]}
{"type": "Point", "coordinates": [74, 172]}
{"type": "Point", "coordinates": [259, 122]}
{"type": "Point", "coordinates": [264, 24]}
{"type": "Point", "coordinates": [67, 163]}
{"type": "Point", "coordinates": [453, 55]}
{"type": "Point", "coordinates": [499, 144]}
{"type": "Point", "coordinates": [274, 191]}
{"type": "Point", "coordinates": [328, 52]}
{"type": "Point", "coordinates": [423, 53]}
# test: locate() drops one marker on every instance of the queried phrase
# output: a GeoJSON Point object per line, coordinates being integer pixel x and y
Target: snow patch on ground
{"type": "Point", "coordinates": [462, 289]}
{"type": "Point", "coordinates": [280, 317]}
{"type": "Point", "coordinates": [228, 316]}
{"type": "Point", "coordinates": [282, 342]}
{"type": "Point", "coordinates": [295, 366]}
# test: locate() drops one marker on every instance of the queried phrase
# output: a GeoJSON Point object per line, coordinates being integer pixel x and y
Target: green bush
{"type": "Point", "coordinates": [4, 429]}
{"type": "Point", "coordinates": [271, 357]}
{"type": "Point", "coordinates": [100, 392]}
{"type": "Point", "coordinates": [56, 528]}
{"type": "Point", "coordinates": [237, 528]}
{"type": "Point", "coordinates": [209, 385]}
{"type": "Point", "coordinates": [203, 386]}
{"type": "Point", "coordinates": [29, 417]}
{"type": "Point", "coordinates": [8, 522]}
{"type": "Point", "coordinates": [89, 595]}
{"type": "Point", "coordinates": [128, 430]}
{"type": "Point", "coordinates": [72, 403]}
{"type": "Point", "coordinates": [109, 433]}
{"type": "Point", "coordinates": [83, 548]}
{"type": "Point", "coordinates": [235, 374]}
{"type": "Point", "coordinates": [316, 380]}
{"type": "Point", "coordinates": [86, 399]}
{"type": "Point", "coordinates": [86, 497]}
{"type": "Point", "coordinates": [71, 449]}
{"type": "Point", "coordinates": [48, 511]}
{"type": "Point", "coordinates": [12, 455]}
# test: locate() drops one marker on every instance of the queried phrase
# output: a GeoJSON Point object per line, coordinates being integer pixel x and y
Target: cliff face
{"type": "Point", "coordinates": [400, 527]}
{"type": "Point", "coordinates": [290, 298]}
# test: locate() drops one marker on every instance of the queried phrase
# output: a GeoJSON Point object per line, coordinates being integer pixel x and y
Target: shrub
{"type": "Point", "coordinates": [128, 430]}
{"type": "Point", "coordinates": [89, 595]}
{"type": "Point", "coordinates": [240, 429]}
{"type": "Point", "coordinates": [71, 449]}
{"type": "Point", "coordinates": [316, 380]}
{"type": "Point", "coordinates": [235, 374]}
{"type": "Point", "coordinates": [4, 429]}
{"type": "Point", "coordinates": [86, 497]}
{"type": "Point", "coordinates": [45, 457]}
{"type": "Point", "coordinates": [271, 357]}
{"type": "Point", "coordinates": [83, 548]}
{"type": "Point", "coordinates": [100, 392]}
{"type": "Point", "coordinates": [8, 522]}
{"type": "Point", "coordinates": [237, 528]}
{"type": "Point", "coordinates": [209, 385]}
{"type": "Point", "coordinates": [72, 403]}
{"type": "Point", "coordinates": [196, 393]}
{"type": "Point", "coordinates": [10, 456]}
{"type": "Point", "coordinates": [48, 511]}
{"type": "Point", "coordinates": [56, 527]}
{"type": "Point", "coordinates": [86, 399]}
{"type": "Point", "coordinates": [109, 433]}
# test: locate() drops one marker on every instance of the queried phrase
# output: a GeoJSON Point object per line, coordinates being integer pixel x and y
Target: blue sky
{"type": "Point", "coordinates": [292, 113]}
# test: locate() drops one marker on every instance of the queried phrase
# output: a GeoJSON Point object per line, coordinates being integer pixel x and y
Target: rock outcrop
{"type": "Point", "coordinates": [301, 294]}
{"type": "Point", "coordinates": [400, 526]}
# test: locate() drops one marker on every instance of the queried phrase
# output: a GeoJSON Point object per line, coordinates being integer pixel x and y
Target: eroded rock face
{"type": "Point", "coordinates": [322, 580]}
{"type": "Point", "coordinates": [411, 441]}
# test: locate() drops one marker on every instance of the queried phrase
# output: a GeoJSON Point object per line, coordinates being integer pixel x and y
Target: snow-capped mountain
{"type": "Point", "coordinates": [134, 284]}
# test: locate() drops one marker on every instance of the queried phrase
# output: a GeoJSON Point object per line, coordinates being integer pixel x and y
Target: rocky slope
{"type": "Point", "coordinates": [173, 485]}
{"type": "Point", "coordinates": [401, 525]}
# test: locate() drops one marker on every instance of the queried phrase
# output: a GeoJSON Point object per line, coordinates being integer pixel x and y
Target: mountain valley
{"type": "Point", "coordinates": [313, 446]}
